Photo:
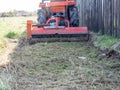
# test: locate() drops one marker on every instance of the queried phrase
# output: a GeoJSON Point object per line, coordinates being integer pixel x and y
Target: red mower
{"type": "Point", "coordinates": [57, 19]}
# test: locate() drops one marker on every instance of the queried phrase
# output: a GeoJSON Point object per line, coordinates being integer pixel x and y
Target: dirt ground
{"type": "Point", "coordinates": [61, 66]}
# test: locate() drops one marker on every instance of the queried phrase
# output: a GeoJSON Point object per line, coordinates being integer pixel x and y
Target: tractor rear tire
{"type": "Point", "coordinates": [74, 17]}
{"type": "Point", "coordinates": [41, 16]}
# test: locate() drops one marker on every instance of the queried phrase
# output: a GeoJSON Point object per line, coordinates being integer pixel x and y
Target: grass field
{"type": "Point", "coordinates": [12, 27]}
{"type": "Point", "coordinates": [13, 24]}
{"type": "Point", "coordinates": [55, 65]}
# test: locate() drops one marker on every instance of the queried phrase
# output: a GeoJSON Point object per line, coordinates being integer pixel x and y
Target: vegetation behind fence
{"type": "Point", "coordinates": [101, 16]}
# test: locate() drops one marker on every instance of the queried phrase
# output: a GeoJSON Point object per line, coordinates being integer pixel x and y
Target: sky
{"type": "Point", "coordinates": [28, 5]}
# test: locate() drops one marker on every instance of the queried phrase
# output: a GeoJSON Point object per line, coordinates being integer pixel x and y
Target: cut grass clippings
{"type": "Point", "coordinates": [58, 63]}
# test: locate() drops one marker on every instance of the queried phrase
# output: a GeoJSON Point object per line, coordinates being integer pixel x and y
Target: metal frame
{"type": "Point", "coordinates": [48, 30]}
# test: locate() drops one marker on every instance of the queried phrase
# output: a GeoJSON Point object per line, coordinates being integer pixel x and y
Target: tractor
{"type": "Point", "coordinates": [58, 19]}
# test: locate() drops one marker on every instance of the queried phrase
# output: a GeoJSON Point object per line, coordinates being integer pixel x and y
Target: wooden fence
{"type": "Point", "coordinates": [101, 16]}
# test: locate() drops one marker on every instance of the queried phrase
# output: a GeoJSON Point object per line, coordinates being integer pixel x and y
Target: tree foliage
{"type": "Point", "coordinates": [15, 13]}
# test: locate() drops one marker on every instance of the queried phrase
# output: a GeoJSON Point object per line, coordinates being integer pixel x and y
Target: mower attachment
{"type": "Point", "coordinates": [63, 33]}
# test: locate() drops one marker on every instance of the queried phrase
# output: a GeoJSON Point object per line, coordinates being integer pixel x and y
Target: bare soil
{"type": "Point", "coordinates": [61, 66]}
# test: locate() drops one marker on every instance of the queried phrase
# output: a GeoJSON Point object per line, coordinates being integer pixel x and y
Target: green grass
{"type": "Point", "coordinates": [12, 35]}
{"type": "Point", "coordinates": [13, 24]}
{"type": "Point", "coordinates": [13, 27]}
{"type": "Point", "coordinates": [105, 41]}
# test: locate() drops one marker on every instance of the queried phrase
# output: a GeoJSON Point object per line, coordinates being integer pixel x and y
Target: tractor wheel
{"type": "Point", "coordinates": [74, 17]}
{"type": "Point", "coordinates": [41, 16]}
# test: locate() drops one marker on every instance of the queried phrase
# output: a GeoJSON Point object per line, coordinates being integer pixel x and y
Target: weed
{"type": "Point", "coordinates": [114, 65]}
{"type": "Point", "coordinates": [92, 54]}
{"type": "Point", "coordinates": [105, 41]}
{"type": "Point", "coordinates": [63, 81]}
{"type": "Point", "coordinates": [63, 66]}
{"type": "Point", "coordinates": [12, 35]}
{"type": "Point", "coordinates": [118, 48]}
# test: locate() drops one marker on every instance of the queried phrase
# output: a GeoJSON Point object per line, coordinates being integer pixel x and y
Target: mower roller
{"type": "Point", "coordinates": [58, 20]}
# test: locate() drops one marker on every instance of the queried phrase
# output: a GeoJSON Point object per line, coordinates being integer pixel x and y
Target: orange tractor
{"type": "Point", "coordinates": [57, 19]}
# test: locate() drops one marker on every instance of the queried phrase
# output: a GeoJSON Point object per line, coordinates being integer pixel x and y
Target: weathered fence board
{"type": "Point", "coordinates": [101, 16]}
